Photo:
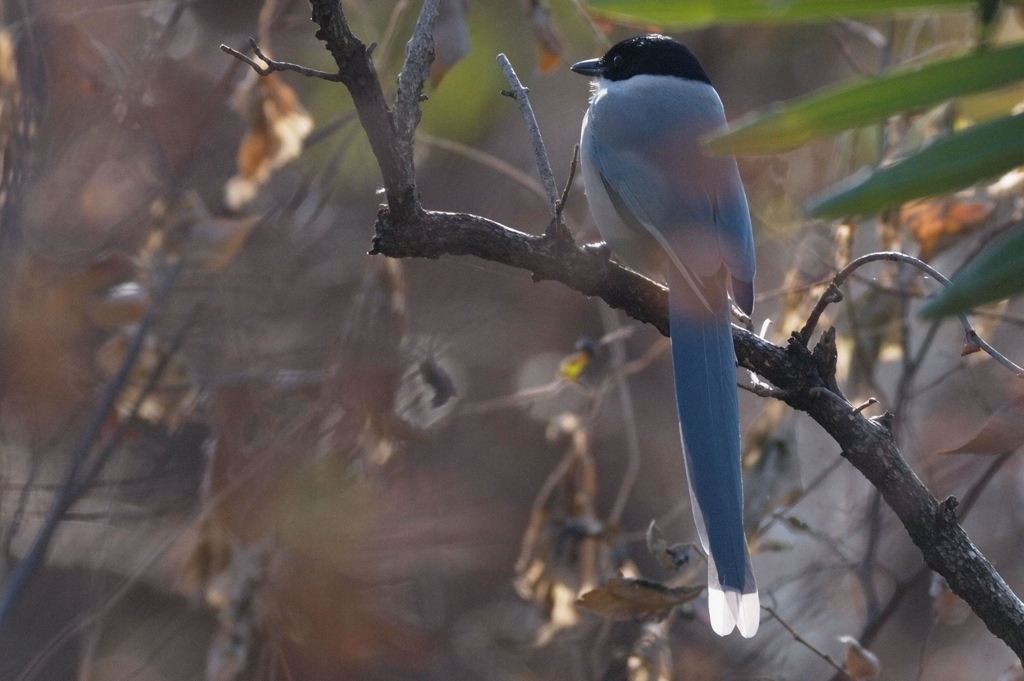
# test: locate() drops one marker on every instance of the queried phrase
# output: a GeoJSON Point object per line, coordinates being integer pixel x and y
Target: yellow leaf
{"type": "Point", "coordinates": [573, 366]}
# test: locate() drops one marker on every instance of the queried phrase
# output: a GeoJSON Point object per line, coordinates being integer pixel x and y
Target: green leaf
{"type": "Point", "coordinates": [997, 273]}
{"type": "Point", "coordinates": [853, 105]}
{"type": "Point", "coordinates": [948, 164]}
{"type": "Point", "coordinates": [690, 13]}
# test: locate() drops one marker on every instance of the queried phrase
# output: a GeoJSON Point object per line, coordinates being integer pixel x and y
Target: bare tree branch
{"type": "Point", "coordinates": [833, 295]}
{"type": "Point", "coordinates": [419, 55]}
{"type": "Point", "coordinates": [83, 469]}
{"type": "Point", "coordinates": [807, 377]}
{"type": "Point", "coordinates": [357, 73]}
{"type": "Point", "coordinates": [272, 65]}
{"type": "Point", "coordinates": [540, 154]}
{"type": "Point", "coordinates": [841, 673]}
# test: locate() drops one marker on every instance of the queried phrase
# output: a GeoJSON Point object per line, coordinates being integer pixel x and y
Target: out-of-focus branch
{"type": "Point", "coordinates": [621, 380]}
{"type": "Point", "coordinates": [841, 673]}
{"type": "Point", "coordinates": [909, 585]}
{"type": "Point", "coordinates": [83, 469]}
{"type": "Point", "coordinates": [486, 160]}
{"type": "Point", "coordinates": [807, 377]}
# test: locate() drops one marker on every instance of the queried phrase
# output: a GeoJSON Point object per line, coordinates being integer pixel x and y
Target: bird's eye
{"type": "Point", "coordinates": [617, 61]}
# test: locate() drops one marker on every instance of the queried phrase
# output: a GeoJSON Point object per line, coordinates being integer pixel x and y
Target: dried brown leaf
{"type": "Point", "coordinates": [859, 662]}
{"type": "Point", "coordinates": [1003, 431]}
{"type": "Point", "coordinates": [970, 346]}
{"type": "Point", "coordinates": [278, 125]}
{"type": "Point", "coordinates": [165, 404]}
{"type": "Point", "coordinates": [48, 340]}
{"type": "Point", "coordinates": [565, 549]}
{"type": "Point", "coordinates": [624, 599]}
{"type": "Point", "coordinates": [933, 222]}
{"type": "Point", "coordinates": [549, 43]}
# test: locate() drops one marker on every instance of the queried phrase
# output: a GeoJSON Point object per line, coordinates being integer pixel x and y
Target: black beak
{"type": "Point", "coordinates": [589, 67]}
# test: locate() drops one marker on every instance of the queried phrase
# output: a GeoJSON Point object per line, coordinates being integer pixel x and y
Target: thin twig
{"type": "Point", "coordinates": [906, 587]}
{"type": "Point", "coordinates": [272, 65]}
{"type": "Point", "coordinates": [847, 54]}
{"type": "Point", "coordinates": [894, 256]}
{"type": "Point", "coordinates": [419, 55]}
{"type": "Point", "coordinates": [864, 405]}
{"type": "Point", "coordinates": [805, 643]}
{"type": "Point", "coordinates": [265, 21]}
{"type": "Point", "coordinates": [792, 503]}
{"type": "Point", "coordinates": [831, 295]}
{"type": "Point", "coordinates": [862, 30]}
{"type": "Point", "coordinates": [211, 505]}
{"type": "Point", "coordinates": [866, 573]}
{"type": "Point", "coordinates": [485, 159]}
{"type": "Point", "coordinates": [540, 153]}
{"type": "Point", "coordinates": [387, 37]}
{"type": "Point", "coordinates": [618, 354]}
{"type": "Point", "coordinates": [560, 206]}
{"type": "Point", "coordinates": [599, 37]}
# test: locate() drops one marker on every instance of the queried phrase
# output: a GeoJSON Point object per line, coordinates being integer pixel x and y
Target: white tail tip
{"type": "Point", "coordinates": [730, 610]}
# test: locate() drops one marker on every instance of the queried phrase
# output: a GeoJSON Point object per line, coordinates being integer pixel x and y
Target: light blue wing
{"type": "Point", "coordinates": [734, 231]}
{"type": "Point", "coordinates": [645, 146]}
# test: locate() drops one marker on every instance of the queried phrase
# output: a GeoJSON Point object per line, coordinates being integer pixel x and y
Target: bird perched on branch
{"type": "Point", "coordinates": [662, 204]}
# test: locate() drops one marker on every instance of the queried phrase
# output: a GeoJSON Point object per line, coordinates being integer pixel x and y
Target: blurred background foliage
{"type": "Point", "coordinates": [328, 466]}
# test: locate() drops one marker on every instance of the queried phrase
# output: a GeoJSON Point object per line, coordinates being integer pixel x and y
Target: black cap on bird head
{"type": "Point", "coordinates": [651, 55]}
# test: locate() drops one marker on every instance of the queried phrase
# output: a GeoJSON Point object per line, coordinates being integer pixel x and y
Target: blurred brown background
{"type": "Point", "coordinates": [353, 468]}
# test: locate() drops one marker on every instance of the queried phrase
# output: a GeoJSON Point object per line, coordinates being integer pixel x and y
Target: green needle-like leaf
{"type": "Point", "coordinates": [997, 273]}
{"type": "Point", "coordinates": [864, 102]}
{"type": "Point", "coordinates": [948, 164]}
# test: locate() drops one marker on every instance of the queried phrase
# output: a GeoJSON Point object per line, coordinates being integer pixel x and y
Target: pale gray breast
{"type": "Point", "coordinates": [653, 118]}
{"type": "Point", "coordinates": [630, 244]}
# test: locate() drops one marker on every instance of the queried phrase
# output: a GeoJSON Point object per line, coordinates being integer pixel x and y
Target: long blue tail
{"type": "Point", "coordinates": [705, 378]}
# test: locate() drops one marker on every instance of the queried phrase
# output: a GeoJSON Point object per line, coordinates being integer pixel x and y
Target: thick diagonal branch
{"type": "Point", "coordinates": [805, 377]}
{"type": "Point", "coordinates": [806, 380]}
